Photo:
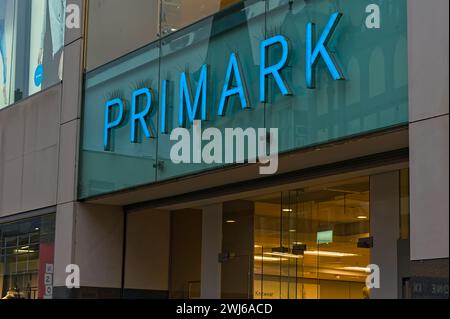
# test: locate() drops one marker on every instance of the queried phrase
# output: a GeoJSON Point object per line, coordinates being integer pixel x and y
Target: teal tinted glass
{"type": "Point", "coordinates": [211, 42]}
{"type": "Point", "coordinates": [124, 164]}
{"type": "Point", "coordinates": [372, 96]}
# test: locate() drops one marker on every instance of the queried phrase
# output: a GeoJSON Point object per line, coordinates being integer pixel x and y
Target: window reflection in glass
{"type": "Point", "coordinates": [177, 14]}
{"type": "Point", "coordinates": [26, 258]}
{"type": "Point", "coordinates": [31, 47]}
{"type": "Point", "coordinates": [111, 33]}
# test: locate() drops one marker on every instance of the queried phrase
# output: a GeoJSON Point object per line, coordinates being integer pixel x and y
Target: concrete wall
{"type": "Point", "coordinates": [90, 236]}
{"type": "Point", "coordinates": [186, 252]}
{"type": "Point", "coordinates": [428, 107]}
{"type": "Point", "coordinates": [39, 139]}
{"type": "Point", "coordinates": [147, 251]}
{"type": "Point", "coordinates": [29, 148]}
{"type": "Point", "coordinates": [211, 278]}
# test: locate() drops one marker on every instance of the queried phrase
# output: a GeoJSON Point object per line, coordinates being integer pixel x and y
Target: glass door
{"type": "Point", "coordinates": [307, 242]}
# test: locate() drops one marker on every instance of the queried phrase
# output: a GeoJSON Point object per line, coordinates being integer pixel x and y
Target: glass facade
{"type": "Point", "coordinates": [107, 24]}
{"type": "Point", "coordinates": [306, 242]}
{"type": "Point", "coordinates": [372, 97]}
{"type": "Point", "coordinates": [31, 47]}
{"type": "Point", "coordinates": [317, 239]}
{"type": "Point", "coordinates": [26, 258]}
{"type": "Point", "coordinates": [152, 19]}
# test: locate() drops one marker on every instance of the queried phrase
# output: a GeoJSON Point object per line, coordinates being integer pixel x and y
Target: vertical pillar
{"type": "Point", "coordinates": [211, 248]}
{"type": "Point", "coordinates": [429, 132]}
{"type": "Point", "coordinates": [385, 229]}
{"type": "Point", "coordinates": [91, 237]}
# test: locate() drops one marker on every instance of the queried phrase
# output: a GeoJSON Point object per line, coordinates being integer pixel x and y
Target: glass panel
{"type": "Point", "coordinates": [341, 212]}
{"type": "Point", "coordinates": [132, 163]}
{"type": "Point", "coordinates": [191, 66]}
{"type": "Point", "coordinates": [210, 43]}
{"type": "Point", "coordinates": [306, 242]}
{"type": "Point", "coordinates": [107, 24]}
{"type": "Point", "coordinates": [31, 47]}
{"type": "Point", "coordinates": [7, 22]}
{"type": "Point", "coordinates": [177, 14]}
{"type": "Point", "coordinates": [267, 238]}
{"type": "Point", "coordinates": [374, 94]}
{"type": "Point", "coordinates": [26, 258]}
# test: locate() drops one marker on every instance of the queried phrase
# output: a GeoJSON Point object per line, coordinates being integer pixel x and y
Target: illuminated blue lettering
{"type": "Point", "coordinates": [312, 56]}
{"type": "Point", "coordinates": [234, 67]}
{"type": "Point", "coordinates": [109, 124]}
{"type": "Point", "coordinates": [141, 115]}
{"type": "Point", "coordinates": [274, 69]}
{"type": "Point", "coordinates": [163, 125]}
{"type": "Point", "coordinates": [185, 96]}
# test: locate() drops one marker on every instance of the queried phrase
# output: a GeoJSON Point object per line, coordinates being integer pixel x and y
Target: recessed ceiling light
{"type": "Point", "coordinates": [265, 258]}
{"type": "Point", "coordinates": [231, 221]}
{"type": "Point", "coordinates": [292, 230]}
{"type": "Point", "coordinates": [362, 217]}
{"type": "Point", "coordinates": [285, 255]}
{"type": "Point", "coordinates": [287, 210]}
{"type": "Point", "coordinates": [328, 253]}
{"type": "Point", "coordinates": [363, 269]}
{"type": "Point", "coordinates": [37, 228]}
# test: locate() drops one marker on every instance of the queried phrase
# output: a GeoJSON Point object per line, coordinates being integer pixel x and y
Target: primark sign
{"type": "Point", "coordinates": [194, 107]}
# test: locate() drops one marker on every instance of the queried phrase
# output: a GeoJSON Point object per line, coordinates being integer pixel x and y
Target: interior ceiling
{"type": "Point", "coordinates": [341, 202]}
{"type": "Point", "coordinates": [319, 192]}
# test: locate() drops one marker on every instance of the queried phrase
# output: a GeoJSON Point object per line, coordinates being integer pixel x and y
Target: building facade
{"type": "Point", "coordinates": [353, 98]}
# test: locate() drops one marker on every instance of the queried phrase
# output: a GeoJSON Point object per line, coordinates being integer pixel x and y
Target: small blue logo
{"type": "Point", "coordinates": [38, 75]}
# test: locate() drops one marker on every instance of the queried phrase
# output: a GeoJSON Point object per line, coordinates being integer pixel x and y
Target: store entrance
{"type": "Point", "coordinates": [306, 242]}
{"type": "Point", "coordinates": [310, 240]}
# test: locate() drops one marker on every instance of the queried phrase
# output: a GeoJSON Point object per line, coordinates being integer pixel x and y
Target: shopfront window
{"type": "Point", "coordinates": [26, 258]}
{"type": "Point", "coordinates": [306, 242]}
{"type": "Point", "coordinates": [31, 47]}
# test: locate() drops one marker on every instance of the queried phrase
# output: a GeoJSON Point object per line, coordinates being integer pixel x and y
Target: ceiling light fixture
{"type": "Point", "coordinates": [363, 269]}
{"type": "Point", "coordinates": [328, 253]}
{"type": "Point", "coordinates": [231, 221]}
{"type": "Point", "coordinates": [265, 258]}
{"type": "Point", "coordinates": [362, 217]}
{"type": "Point", "coordinates": [286, 255]}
